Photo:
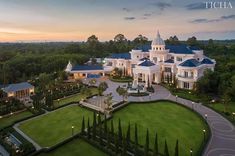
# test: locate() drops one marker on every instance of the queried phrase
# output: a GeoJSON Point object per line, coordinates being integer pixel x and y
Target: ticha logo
{"type": "Point", "coordinates": [219, 5]}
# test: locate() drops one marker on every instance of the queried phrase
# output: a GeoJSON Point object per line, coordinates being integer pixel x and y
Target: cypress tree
{"type": "Point", "coordinates": [88, 129]}
{"type": "Point", "coordinates": [128, 135]}
{"type": "Point", "coordinates": [99, 118]}
{"type": "Point", "coordinates": [116, 144]}
{"type": "Point", "coordinates": [156, 151]}
{"type": "Point", "coordinates": [119, 133]}
{"type": "Point", "coordinates": [136, 135]}
{"type": "Point", "coordinates": [177, 148]}
{"type": "Point", "coordinates": [124, 145]}
{"type": "Point", "coordinates": [136, 140]}
{"type": "Point", "coordinates": [146, 148]}
{"type": "Point", "coordinates": [166, 152]}
{"type": "Point", "coordinates": [108, 140]}
{"type": "Point", "coordinates": [112, 130]}
{"type": "Point", "coordinates": [94, 126]}
{"type": "Point", "coordinates": [83, 126]}
{"type": "Point", "coordinates": [105, 125]}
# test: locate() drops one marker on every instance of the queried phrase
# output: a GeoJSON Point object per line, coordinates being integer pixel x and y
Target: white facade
{"type": "Point", "coordinates": [164, 63]}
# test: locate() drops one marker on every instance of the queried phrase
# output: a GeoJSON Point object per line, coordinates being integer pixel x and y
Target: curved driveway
{"type": "Point", "coordinates": [222, 141]}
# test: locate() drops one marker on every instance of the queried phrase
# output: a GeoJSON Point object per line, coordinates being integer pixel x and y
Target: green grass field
{"type": "Point", "coordinates": [73, 98]}
{"type": "Point", "coordinates": [11, 119]}
{"type": "Point", "coordinates": [76, 147]}
{"type": "Point", "coordinates": [169, 120]}
{"type": "Point", "coordinates": [220, 107]}
{"type": "Point", "coordinates": [52, 128]}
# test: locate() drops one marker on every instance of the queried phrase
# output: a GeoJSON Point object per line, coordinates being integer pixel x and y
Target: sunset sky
{"type": "Point", "coordinates": [76, 20]}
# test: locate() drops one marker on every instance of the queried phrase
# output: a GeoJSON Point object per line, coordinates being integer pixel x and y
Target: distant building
{"type": "Point", "coordinates": [85, 71]}
{"type": "Point", "coordinates": [19, 90]}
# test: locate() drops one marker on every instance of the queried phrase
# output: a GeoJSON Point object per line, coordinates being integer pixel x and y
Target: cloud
{"type": "Point", "coordinates": [228, 17]}
{"type": "Point", "coordinates": [147, 15]}
{"type": "Point", "coordinates": [126, 9]}
{"type": "Point", "coordinates": [204, 20]}
{"type": "Point", "coordinates": [129, 18]}
{"type": "Point", "coordinates": [162, 5]}
{"type": "Point", "coordinates": [196, 6]}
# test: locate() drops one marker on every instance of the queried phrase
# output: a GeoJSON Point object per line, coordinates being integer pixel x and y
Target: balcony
{"type": "Point", "coordinates": [186, 78]}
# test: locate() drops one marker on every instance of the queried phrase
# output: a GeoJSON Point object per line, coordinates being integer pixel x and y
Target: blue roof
{"type": "Point", "coordinates": [146, 63]}
{"type": "Point", "coordinates": [190, 63]}
{"type": "Point", "coordinates": [194, 48]}
{"type": "Point", "coordinates": [179, 49]}
{"type": "Point", "coordinates": [169, 61]}
{"type": "Point", "coordinates": [17, 87]}
{"type": "Point", "coordinates": [126, 56]}
{"type": "Point", "coordinates": [87, 67]}
{"type": "Point", "coordinates": [143, 59]}
{"type": "Point", "coordinates": [206, 61]}
{"type": "Point", "coordinates": [144, 48]}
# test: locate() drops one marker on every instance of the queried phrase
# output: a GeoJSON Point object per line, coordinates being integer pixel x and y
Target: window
{"type": "Point", "coordinates": [191, 74]}
{"type": "Point", "coordinates": [186, 85]}
{"type": "Point", "coordinates": [160, 48]}
{"type": "Point", "coordinates": [155, 59]}
{"type": "Point", "coordinates": [137, 56]}
{"type": "Point", "coordinates": [185, 74]}
{"type": "Point", "coordinates": [167, 69]}
{"type": "Point", "coordinates": [179, 58]}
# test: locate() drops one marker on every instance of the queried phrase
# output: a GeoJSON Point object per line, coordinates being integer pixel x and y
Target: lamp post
{"type": "Point", "coordinates": [233, 114]}
{"type": "Point", "coordinates": [204, 134]}
{"type": "Point", "coordinates": [191, 152]}
{"type": "Point", "coordinates": [72, 130]}
{"type": "Point", "coordinates": [192, 105]}
{"type": "Point", "coordinates": [176, 97]}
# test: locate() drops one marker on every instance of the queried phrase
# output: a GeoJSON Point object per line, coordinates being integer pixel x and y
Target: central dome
{"type": "Point", "coordinates": [158, 40]}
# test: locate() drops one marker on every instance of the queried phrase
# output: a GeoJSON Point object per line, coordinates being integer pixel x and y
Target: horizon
{"type": "Point", "coordinates": [76, 20]}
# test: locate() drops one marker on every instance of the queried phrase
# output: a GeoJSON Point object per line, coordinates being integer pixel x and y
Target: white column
{"type": "Point", "coordinates": [146, 80]}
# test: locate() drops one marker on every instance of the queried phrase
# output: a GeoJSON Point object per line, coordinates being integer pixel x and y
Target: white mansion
{"type": "Point", "coordinates": [153, 64]}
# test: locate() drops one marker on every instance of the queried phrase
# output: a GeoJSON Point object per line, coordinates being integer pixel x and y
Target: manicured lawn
{"type": "Point", "coordinates": [76, 147]}
{"type": "Point", "coordinates": [11, 119]}
{"type": "Point", "coordinates": [169, 120]}
{"type": "Point", "coordinates": [74, 98]}
{"type": "Point", "coordinates": [220, 107]}
{"type": "Point", "coordinates": [52, 128]}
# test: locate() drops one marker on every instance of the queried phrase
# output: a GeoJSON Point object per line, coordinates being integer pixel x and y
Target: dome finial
{"type": "Point", "coordinates": [158, 34]}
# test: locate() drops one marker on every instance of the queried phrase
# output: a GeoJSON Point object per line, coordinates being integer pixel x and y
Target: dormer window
{"type": "Point", "coordinates": [179, 58]}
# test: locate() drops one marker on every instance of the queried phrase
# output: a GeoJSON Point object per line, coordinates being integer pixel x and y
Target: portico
{"type": "Point", "coordinates": [146, 72]}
